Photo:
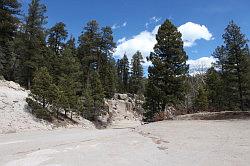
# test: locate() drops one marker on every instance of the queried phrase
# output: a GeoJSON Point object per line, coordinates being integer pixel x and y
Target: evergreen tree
{"type": "Point", "coordinates": [9, 9]}
{"type": "Point", "coordinates": [67, 77]}
{"type": "Point", "coordinates": [236, 67]}
{"type": "Point", "coordinates": [248, 83]}
{"type": "Point", "coordinates": [89, 48]}
{"type": "Point", "coordinates": [201, 101]}
{"type": "Point", "coordinates": [57, 36]}
{"type": "Point", "coordinates": [166, 78]}
{"type": "Point", "coordinates": [35, 44]}
{"type": "Point", "coordinates": [88, 104]}
{"type": "Point", "coordinates": [97, 93]}
{"type": "Point", "coordinates": [123, 74]}
{"type": "Point", "coordinates": [215, 90]}
{"type": "Point", "coordinates": [108, 78]}
{"type": "Point", "coordinates": [96, 47]}
{"type": "Point", "coordinates": [107, 70]}
{"type": "Point", "coordinates": [71, 45]}
{"type": "Point", "coordinates": [220, 54]}
{"type": "Point", "coordinates": [8, 60]}
{"type": "Point", "coordinates": [35, 21]}
{"type": "Point", "coordinates": [136, 80]}
{"type": "Point", "coordinates": [43, 87]}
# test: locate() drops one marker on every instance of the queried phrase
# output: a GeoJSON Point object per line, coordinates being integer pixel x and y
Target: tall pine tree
{"type": "Point", "coordinates": [136, 80]}
{"type": "Point", "coordinates": [32, 57]}
{"type": "Point", "coordinates": [236, 66]}
{"type": "Point", "coordinates": [123, 74]}
{"type": "Point", "coordinates": [57, 36]}
{"type": "Point", "coordinates": [166, 78]}
{"type": "Point", "coordinates": [9, 9]}
{"type": "Point", "coordinates": [215, 90]}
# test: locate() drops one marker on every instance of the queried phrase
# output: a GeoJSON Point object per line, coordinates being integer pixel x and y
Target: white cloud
{"type": "Point", "coordinates": [200, 66]}
{"type": "Point", "coordinates": [145, 40]}
{"type": "Point", "coordinates": [192, 32]}
{"type": "Point", "coordinates": [124, 24]}
{"type": "Point", "coordinates": [121, 40]}
{"type": "Point", "coordinates": [117, 26]}
{"type": "Point", "coordinates": [152, 20]}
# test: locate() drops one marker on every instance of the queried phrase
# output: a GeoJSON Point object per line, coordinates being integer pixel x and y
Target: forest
{"type": "Point", "coordinates": [78, 74]}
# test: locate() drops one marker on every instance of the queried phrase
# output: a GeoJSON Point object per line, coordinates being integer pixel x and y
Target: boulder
{"type": "Point", "coordinates": [122, 96]}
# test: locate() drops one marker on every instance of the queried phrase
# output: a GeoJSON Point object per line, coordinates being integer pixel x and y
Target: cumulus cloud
{"type": "Point", "coordinates": [192, 32]}
{"type": "Point", "coordinates": [200, 66]}
{"type": "Point", "coordinates": [145, 40]}
{"type": "Point", "coordinates": [117, 26]}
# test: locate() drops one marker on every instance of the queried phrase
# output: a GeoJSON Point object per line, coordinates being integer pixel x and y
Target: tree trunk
{"type": "Point", "coordinates": [28, 83]}
{"type": "Point", "coordinates": [240, 90]}
{"type": "Point", "coordinates": [43, 102]}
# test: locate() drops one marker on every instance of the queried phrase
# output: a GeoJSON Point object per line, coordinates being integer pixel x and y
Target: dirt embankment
{"type": "Point", "coordinates": [15, 115]}
{"type": "Point", "coordinates": [215, 115]}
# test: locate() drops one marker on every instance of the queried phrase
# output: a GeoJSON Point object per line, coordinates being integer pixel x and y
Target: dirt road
{"type": "Point", "coordinates": [174, 143]}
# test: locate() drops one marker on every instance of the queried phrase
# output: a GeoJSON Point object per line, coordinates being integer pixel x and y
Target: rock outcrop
{"type": "Point", "coordinates": [122, 112]}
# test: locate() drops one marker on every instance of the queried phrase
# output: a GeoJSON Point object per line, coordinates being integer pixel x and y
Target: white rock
{"type": "Point", "coordinates": [122, 96]}
{"type": "Point", "coordinates": [14, 116]}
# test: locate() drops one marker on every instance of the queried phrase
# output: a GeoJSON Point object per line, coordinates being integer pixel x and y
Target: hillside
{"type": "Point", "coordinates": [16, 117]}
{"type": "Point", "coordinates": [14, 113]}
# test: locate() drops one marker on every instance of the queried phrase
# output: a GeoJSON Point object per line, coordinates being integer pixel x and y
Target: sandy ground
{"type": "Point", "coordinates": [14, 115]}
{"type": "Point", "coordinates": [206, 143]}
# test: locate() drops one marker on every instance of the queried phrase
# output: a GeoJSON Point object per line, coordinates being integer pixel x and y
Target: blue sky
{"type": "Point", "coordinates": [129, 19]}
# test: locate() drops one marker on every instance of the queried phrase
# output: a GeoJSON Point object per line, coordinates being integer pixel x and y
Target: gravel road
{"type": "Point", "coordinates": [173, 143]}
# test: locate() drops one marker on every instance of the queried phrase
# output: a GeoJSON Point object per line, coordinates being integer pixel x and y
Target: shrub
{"type": "Point", "coordinates": [38, 111]}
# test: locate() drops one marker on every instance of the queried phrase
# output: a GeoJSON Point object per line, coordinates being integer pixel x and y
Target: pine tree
{"type": "Point", "coordinates": [235, 74]}
{"type": "Point", "coordinates": [106, 62]}
{"type": "Point", "coordinates": [248, 83]}
{"type": "Point", "coordinates": [41, 89]}
{"type": "Point", "coordinates": [88, 104]}
{"type": "Point", "coordinates": [89, 49]}
{"type": "Point", "coordinates": [71, 45]}
{"type": "Point", "coordinates": [201, 101]}
{"type": "Point", "coordinates": [136, 80]}
{"type": "Point", "coordinates": [35, 21]}
{"type": "Point", "coordinates": [57, 36]}
{"type": "Point", "coordinates": [166, 79]}
{"type": "Point", "coordinates": [9, 9]}
{"type": "Point", "coordinates": [215, 90]}
{"type": "Point", "coordinates": [67, 77]}
{"type": "Point", "coordinates": [220, 54]}
{"type": "Point", "coordinates": [95, 54]}
{"type": "Point", "coordinates": [35, 44]}
{"type": "Point", "coordinates": [97, 93]}
{"type": "Point", "coordinates": [8, 60]}
{"type": "Point", "coordinates": [123, 74]}
{"type": "Point", "coordinates": [109, 78]}
{"type": "Point", "coordinates": [95, 51]}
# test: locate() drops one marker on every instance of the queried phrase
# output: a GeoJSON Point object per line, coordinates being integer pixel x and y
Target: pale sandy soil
{"type": "Point", "coordinates": [14, 115]}
{"type": "Point", "coordinates": [173, 143]}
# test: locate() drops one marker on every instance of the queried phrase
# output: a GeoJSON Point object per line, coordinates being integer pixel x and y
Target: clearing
{"type": "Point", "coordinates": [206, 143]}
